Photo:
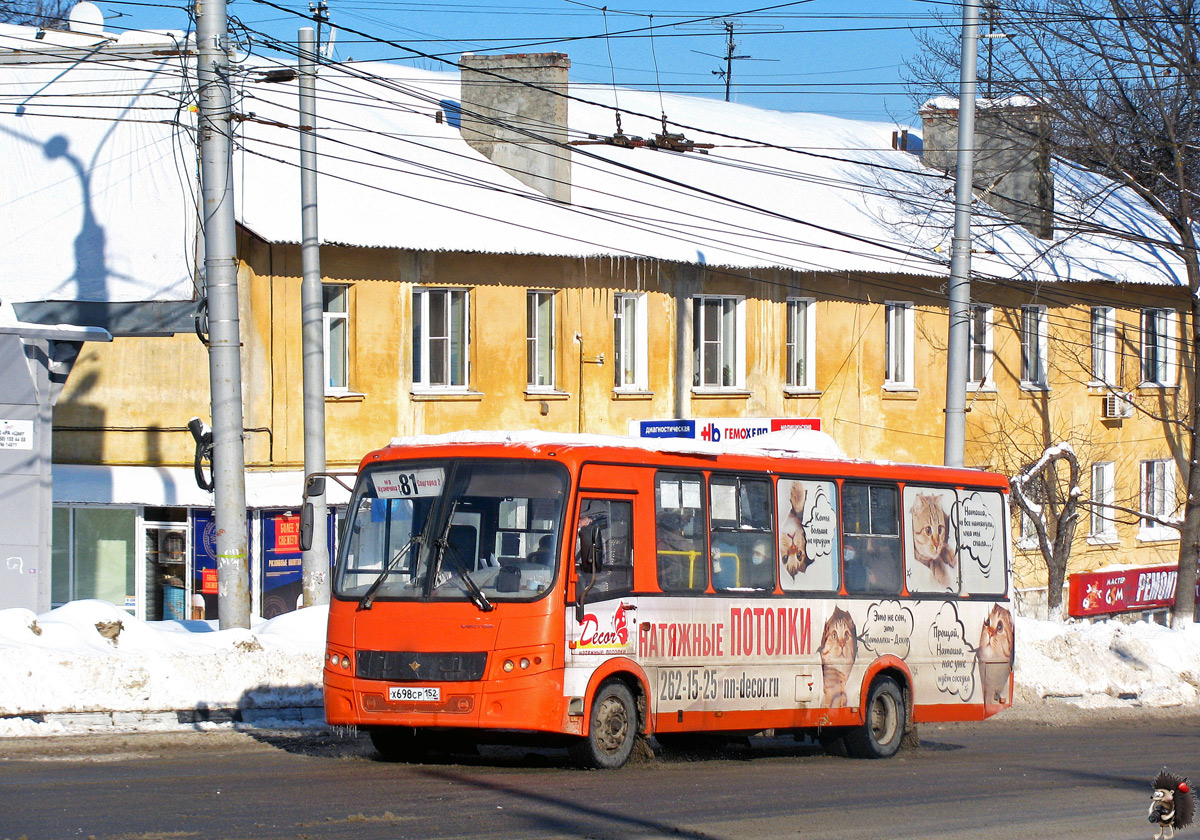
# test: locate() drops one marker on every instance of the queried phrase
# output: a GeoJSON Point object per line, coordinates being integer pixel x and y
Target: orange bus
{"type": "Point", "coordinates": [597, 590]}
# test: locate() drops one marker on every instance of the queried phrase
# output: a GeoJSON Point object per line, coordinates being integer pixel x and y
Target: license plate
{"type": "Point", "coordinates": [420, 693]}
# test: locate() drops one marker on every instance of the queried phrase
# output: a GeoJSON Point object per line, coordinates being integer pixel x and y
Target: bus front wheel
{"type": "Point", "coordinates": [884, 722]}
{"type": "Point", "coordinates": [612, 730]}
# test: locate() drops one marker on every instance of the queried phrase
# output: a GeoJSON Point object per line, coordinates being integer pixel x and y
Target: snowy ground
{"type": "Point", "coordinates": [88, 665]}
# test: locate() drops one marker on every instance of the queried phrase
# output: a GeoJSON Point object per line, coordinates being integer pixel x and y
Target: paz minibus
{"type": "Point", "coordinates": [594, 590]}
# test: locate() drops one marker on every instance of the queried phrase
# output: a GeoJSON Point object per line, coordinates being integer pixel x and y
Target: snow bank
{"type": "Point", "coordinates": [1108, 663]}
{"type": "Point", "coordinates": [89, 656]}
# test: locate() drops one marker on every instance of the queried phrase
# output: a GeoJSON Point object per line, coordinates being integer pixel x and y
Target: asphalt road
{"type": "Point", "coordinates": [1088, 777]}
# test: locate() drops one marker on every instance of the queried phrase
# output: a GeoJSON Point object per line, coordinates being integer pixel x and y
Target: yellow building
{"type": "Point", "coordinates": [481, 280]}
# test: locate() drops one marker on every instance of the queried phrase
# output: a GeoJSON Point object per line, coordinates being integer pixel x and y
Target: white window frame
{"type": "Point", "coordinates": [631, 343]}
{"type": "Point", "coordinates": [337, 377]}
{"type": "Point", "coordinates": [801, 344]}
{"type": "Point", "coordinates": [539, 342]}
{"type": "Point", "coordinates": [1104, 345]}
{"type": "Point", "coordinates": [1034, 343]}
{"type": "Point", "coordinates": [1158, 498]}
{"type": "Point", "coordinates": [732, 358]}
{"type": "Point", "coordinates": [1159, 347]}
{"type": "Point", "coordinates": [1027, 537]}
{"type": "Point", "coordinates": [423, 376]}
{"type": "Point", "coordinates": [980, 317]}
{"type": "Point", "coordinates": [1103, 522]}
{"type": "Point", "coordinates": [898, 345]}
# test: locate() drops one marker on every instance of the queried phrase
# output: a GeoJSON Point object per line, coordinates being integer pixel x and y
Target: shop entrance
{"type": "Point", "coordinates": [168, 594]}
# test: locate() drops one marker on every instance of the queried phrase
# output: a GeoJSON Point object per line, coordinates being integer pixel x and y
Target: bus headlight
{"type": "Point", "coordinates": [508, 666]}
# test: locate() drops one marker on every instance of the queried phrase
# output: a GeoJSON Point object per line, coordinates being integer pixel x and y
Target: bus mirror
{"type": "Point", "coordinates": [306, 526]}
{"type": "Point", "coordinates": [579, 611]}
{"type": "Point", "coordinates": [591, 549]}
{"type": "Point", "coordinates": [315, 486]}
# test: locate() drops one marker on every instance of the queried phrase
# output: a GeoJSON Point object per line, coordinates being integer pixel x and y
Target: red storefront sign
{"type": "Point", "coordinates": [1127, 590]}
{"type": "Point", "coordinates": [208, 581]}
{"type": "Point", "coordinates": [287, 533]}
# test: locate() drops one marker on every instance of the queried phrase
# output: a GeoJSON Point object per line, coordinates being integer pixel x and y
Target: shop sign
{"type": "Point", "coordinates": [1126, 590]}
{"type": "Point", "coordinates": [720, 429]}
{"type": "Point", "coordinates": [16, 434]}
{"type": "Point", "coordinates": [287, 533]}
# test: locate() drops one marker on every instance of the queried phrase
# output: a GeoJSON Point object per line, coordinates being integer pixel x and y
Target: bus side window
{"type": "Point", "coordinates": [871, 547]}
{"type": "Point", "coordinates": [680, 532]}
{"type": "Point", "coordinates": [610, 525]}
{"type": "Point", "coordinates": [743, 544]}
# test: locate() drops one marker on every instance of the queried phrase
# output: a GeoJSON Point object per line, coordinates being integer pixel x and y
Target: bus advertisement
{"type": "Point", "coordinates": [592, 591]}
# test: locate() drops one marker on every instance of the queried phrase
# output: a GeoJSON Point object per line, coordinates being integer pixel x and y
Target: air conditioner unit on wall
{"type": "Point", "coordinates": [1117, 406]}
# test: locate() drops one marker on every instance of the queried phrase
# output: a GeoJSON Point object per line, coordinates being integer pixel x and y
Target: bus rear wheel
{"type": "Point", "coordinates": [884, 722]}
{"type": "Point", "coordinates": [399, 743]}
{"type": "Point", "coordinates": [612, 730]}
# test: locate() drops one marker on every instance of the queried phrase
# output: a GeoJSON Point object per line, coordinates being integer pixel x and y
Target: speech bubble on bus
{"type": "Point", "coordinates": [952, 655]}
{"type": "Point", "coordinates": [977, 531]}
{"type": "Point", "coordinates": [820, 523]}
{"type": "Point", "coordinates": [887, 628]}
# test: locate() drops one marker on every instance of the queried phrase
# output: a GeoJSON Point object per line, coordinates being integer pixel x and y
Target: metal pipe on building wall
{"type": "Point", "coordinates": [315, 563]}
{"type": "Point", "coordinates": [960, 259]}
{"type": "Point", "coordinates": [224, 344]}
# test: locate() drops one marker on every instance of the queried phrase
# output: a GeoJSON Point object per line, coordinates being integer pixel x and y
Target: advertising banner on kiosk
{"type": "Point", "coordinates": [1122, 590]}
{"type": "Point", "coordinates": [720, 429]}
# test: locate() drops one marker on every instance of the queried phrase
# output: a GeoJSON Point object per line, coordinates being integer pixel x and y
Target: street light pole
{"type": "Point", "coordinates": [960, 259]}
{"type": "Point", "coordinates": [224, 345]}
{"type": "Point", "coordinates": [316, 558]}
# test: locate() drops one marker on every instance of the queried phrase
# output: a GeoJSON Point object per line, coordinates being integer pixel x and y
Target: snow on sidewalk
{"type": "Point", "coordinates": [89, 665]}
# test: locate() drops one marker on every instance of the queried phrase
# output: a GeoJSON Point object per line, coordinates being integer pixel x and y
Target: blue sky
{"type": "Point", "coordinates": [829, 56]}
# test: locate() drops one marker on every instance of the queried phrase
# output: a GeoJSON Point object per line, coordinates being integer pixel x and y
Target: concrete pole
{"type": "Point", "coordinates": [224, 347]}
{"type": "Point", "coordinates": [960, 257]}
{"type": "Point", "coordinates": [316, 559]}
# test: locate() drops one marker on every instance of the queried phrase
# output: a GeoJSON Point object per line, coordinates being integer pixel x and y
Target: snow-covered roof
{"type": "Point", "coordinates": [103, 207]}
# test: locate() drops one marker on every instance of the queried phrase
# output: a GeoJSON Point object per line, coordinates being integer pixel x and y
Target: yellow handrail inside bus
{"type": "Point", "coordinates": [737, 565]}
{"type": "Point", "coordinates": [691, 556]}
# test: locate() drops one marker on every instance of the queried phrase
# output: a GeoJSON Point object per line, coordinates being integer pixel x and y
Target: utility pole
{"type": "Point", "coordinates": [960, 259]}
{"type": "Point", "coordinates": [730, 46]}
{"type": "Point", "coordinates": [316, 559]}
{"type": "Point", "coordinates": [224, 344]}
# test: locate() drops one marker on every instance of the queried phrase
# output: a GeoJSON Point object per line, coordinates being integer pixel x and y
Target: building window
{"type": "Point", "coordinates": [1033, 346]}
{"type": "Point", "coordinates": [336, 318]}
{"type": "Point", "coordinates": [539, 339]}
{"type": "Point", "coordinates": [898, 345]}
{"type": "Point", "coordinates": [718, 342]}
{"type": "Point", "coordinates": [630, 330]}
{"type": "Point", "coordinates": [1158, 500]}
{"type": "Point", "coordinates": [1158, 347]}
{"type": "Point", "coordinates": [1103, 522]}
{"type": "Point", "coordinates": [801, 344]}
{"type": "Point", "coordinates": [94, 555]}
{"type": "Point", "coordinates": [1104, 345]}
{"type": "Point", "coordinates": [1028, 538]}
{"type": "Point", "coordinates": [440, 338]}
{"type": "Point", "coordinates": [979, 360]}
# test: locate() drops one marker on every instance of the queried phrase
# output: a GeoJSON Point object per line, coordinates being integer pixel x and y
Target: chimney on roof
{"type": "Point", "coordinates": [1012, 156]}
{"type": "Point", "coordinates": [514, 112]}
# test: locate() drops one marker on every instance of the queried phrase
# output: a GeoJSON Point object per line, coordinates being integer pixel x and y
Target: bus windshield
{"type": "Point", "coordinates": [452, 529]}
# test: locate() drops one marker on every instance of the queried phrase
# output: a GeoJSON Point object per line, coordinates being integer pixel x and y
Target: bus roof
{"type": "Point", "coordinates": [787, 444]}
{"type": "Point", "coordinates": [796, 443]}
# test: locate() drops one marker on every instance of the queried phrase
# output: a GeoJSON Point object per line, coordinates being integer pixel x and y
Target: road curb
{"type": "Point", "coordinates": [282, 717]}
